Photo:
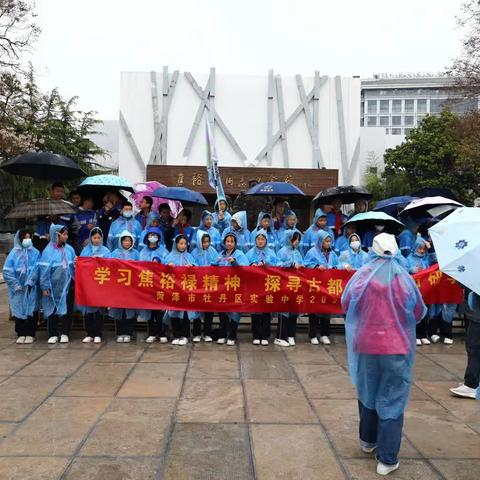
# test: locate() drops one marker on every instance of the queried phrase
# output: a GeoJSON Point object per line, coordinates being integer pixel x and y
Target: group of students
{"type": "Point", "coordinates": [45, 281]}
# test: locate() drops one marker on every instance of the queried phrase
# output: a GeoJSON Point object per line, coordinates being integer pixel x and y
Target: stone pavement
{"type": "Point", "coordinates": [119, 411]}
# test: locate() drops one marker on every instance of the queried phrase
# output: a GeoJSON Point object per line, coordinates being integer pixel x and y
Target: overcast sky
{"type": "Point", "coordinates": [85, 44]}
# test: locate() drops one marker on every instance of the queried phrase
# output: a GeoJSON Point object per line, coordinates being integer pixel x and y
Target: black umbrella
{"type": "Point", "coordinates": [346, 193]}
{"type": "Point", "coordinates": [42, 207]}
{"type": "Point", "coordinates": [436, 192]}
{"type": "Point", "coordinates": [44, 166]}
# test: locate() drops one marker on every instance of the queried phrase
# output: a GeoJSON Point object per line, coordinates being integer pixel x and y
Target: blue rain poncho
{"type": "Point", "coordinates": [215, 237]}
{"type": "Point", "coordinates": [417, 261]}
{"type": "Point", "coordinates": [266, 255]}
{"type": "Point", "coordinates": [204, 257]}
{"type": "Point", "coordinates": [156, 252]}
{"type": "Point", "coordinates": [120, 225]}
{"type": "Point", "coordinates": [356, 259]}
{"type": "Point", "coordinates": [285, 227]}
{"type": "Point", "coordinates": [310, 238]}
{"type": "Point", "coordinates": [242, 234]}
{"type": "Point", "coordinates": [270, 232]}
{"type": "Point", "coordinates": [124, 254]}
{"type": "Point", "coordinates": [20, 274]}
{"type": "Point", "coordinates": [180, 259]}
{"type": "Point", "coordinates": [316, 256]}
{"type": "Point", "coordinates": [224, 223]}
{"type": "Point", "coordinates": [407, 238]}
{"type": "Point", "coordinates": [56, 272]}
{"type": "Point", "coordinates": [383, 306]}
{"type": "Point", "coordinates": [288, 256]}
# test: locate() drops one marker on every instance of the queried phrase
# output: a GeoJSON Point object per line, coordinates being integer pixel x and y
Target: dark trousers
{"type": "Point", "coordinates": [93, 323]}
{"type": "Point", "coordinates": [287, 325]}
{"type": "Point", "coordinates": [59, 325]}
{"type": "Point", "coordinates": [314, 320]}
{"type": "Point", "coordinates": [155, 324]}
{"type": "Point", "coordinates": [438, 324]}
{"type": "Point", "coordinates": [422, 328]}
{"type": "Point", "coordinates": [125, 326]}
{"type": "Point", "coordinates": [261, 326]}
{"type": "Point", "coordinates": [228, 328]}
{"type": "Point", "coordinates": [181, 326]}
{"type": "Point", "coordinates": [386, 434]}
{"type": "Point", "coordinates": [472, 345]}
{"type": "Point", "coordinates": [207, 325]}
{"type": "Point", "coordinates": [26, 327]}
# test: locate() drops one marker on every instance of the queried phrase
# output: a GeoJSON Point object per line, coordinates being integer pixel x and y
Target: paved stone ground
{"type": "Point", "coordinates": [115, 412]}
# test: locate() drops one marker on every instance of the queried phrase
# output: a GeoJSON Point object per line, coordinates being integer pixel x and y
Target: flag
{"type": "Point", "coordinates": [214, 178]}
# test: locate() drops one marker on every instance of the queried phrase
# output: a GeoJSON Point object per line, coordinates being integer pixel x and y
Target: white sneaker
{"type": "Point", "coordinates": [163, 340]}
{"type": "Point", "coordinates": [64, 338]}
{"type": "Point", "coordinates": [383, 469]}
{"type": "Point", "coordinates": [29, 339]}
{"type": "Point", "coordinates": [281, 343]}
{"type": "Point", "coordinates": [230, 343]}
{"type": "Point", "coordinates": [425, 341]}
{"type": "Point", "coordinates": [314, 341]}
{"type": "Point", "coordinates": [419, 342]}
{"type": "Point", "coordinates": [53, 339]}
{"type": "Point", "coordinates": [264, 342]}
{"type": "Point", "coordinates": [208, 339]}
{"type": "Point", "coordinates": [197, 339]}
{"type": "Point", "coordinates": [120, 339]}
{"type": "Point", "coordinates": [151, 339]}
{"type": "Point", "coordinates": [222, 341]}
{"type": "Point", "coordinates": [291, 341]}
{"type": "Point", "coordinates": [97, 340]}
{"type": "Point", "coordinates": [325, 340]}
{"type": "Point", "coordinates": [435, 338]}
{"type": "Point", "coordinates": [183, 341]}
{"type": "Point", "coordinates": [87, 340]}
{"type": "Point", "coordinates": [464, 391]}
{"type": "Point", "coordinates": [175, 341]}
{"type": "Point", "coordinates": [127, 339]}
{"type": "Point", "coordinates": [20, 339]}
{"type": "Point", "coordinates": [446, 341]}
{"type": "Point", "coordinates": [256, 341]}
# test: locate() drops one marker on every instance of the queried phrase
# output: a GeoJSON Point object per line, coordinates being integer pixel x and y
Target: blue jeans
{"type": "Point", "coordinates": [386, 434]}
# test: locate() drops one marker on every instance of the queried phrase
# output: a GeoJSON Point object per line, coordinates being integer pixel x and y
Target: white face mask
{"type": "Point", "coordinates": [26, 242]}
{"type": "Point", "coordinates": [152, 238]}
{"type": "Point", "coordinates": [355, 245]}
{"type": "Point", "coordinates": [128, 214]}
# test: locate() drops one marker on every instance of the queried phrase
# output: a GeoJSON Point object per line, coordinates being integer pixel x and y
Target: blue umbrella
{"type": "Point", "coordinates": [368, 220]}
{"type": "Point", "coordinates": [107, 182]}
{"type": "Point", "coordinates": [182, 194]}
{"type": "Point", "coordinates": [275, 189]}
{"type": "Point", "coordinates": [392, 205]}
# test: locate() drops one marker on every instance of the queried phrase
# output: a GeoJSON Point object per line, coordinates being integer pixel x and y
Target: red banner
{"type": "Point", "coordinates": [153, 286]}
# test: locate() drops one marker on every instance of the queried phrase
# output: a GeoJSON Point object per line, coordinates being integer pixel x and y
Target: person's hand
{"type": "Point", "coordinates": [47, 236]}
{"type": "Point", "coordinates": [253, 264]}
{"type": "Point", "coordinates": [322, 267]}
{"type": "Point", "coordinates": [416, 269]}
{"type": "Point", "coordinates": [189, 265]}
{"type": "Point", "coordinates": [46, 293]}
{"type": "Point", "coordinates": [230, 259]}
{"type": "Point", "coordinates": [348, 267]}
{"type": "Point", "coordinates": [296, 265]}
{"type": "Point", "coordinates": [19, 288]}
{"type": "Point", "coordinates": [171, 264]}
{"type": "Point", "coordinates": [261, 263]}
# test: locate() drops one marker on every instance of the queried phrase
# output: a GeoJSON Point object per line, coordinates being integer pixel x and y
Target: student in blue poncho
{"type": "Point", "coordinates": [288, 256]}
{"type": "Point", "coordinates": [407, 238]}
{"type": "Point", "coordinates": [153, 251]}
{"type": "Point", "coordinates": [231, 256]}
{"type": "Point", "coordinates": [321, 256]}
{"type": "Point", "coordinates": [124, 317]}
{"type": "Point", "coordinates": [221, 216]}
{"type": "Point", "coordinates": [20, 275]}
{"type": "Point", "coordinates": [125, 222]}
{"type": "Point", "coordinates": [353, 258]}
{"type": "Point", "coordinates": [265, 223]}
{"type": "Point", "coordinates": [181, 225]}
{"type": "Point", "coordinates": [238, 226]}
{"type": "Point", "coordinates": [261, 256]}
{"type": "Point", "coordinates": [206, 225]}
{"type": "Point", "coordinates": [289, 223]}
{"type": "Point", "coordinates": [318, 225]}
{"type": "Point", "coordinates": [93, 316]}
{"type": "Point", "coordinates": [56, 272]}
{"type": "Point", "coordinates": [204, 255]}
{"type": "Point", "coordinates": [382, 305]}
{"type": "Point", "coordinates": [342, 243]}
{"type": "Point", "coordinates": [179, 257]}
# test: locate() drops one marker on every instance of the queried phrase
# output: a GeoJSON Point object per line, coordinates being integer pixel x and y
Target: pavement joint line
{"type": "Point", "coordinates": [440, 365]}
{"type": "Point", "coordinates": [26, 365]}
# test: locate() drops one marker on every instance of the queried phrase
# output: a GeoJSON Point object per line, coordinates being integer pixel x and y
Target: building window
{"type": "Point", "coordinates": [408, 130]}
{"type": "Point", "coordinates": [362, 108]}
{"type": "Point", "coordinates": [396, 120]}
{"type": "Point", "coordinates": [436, 106]}
{"type": "Point", "coordinates": [387, 131]}
{"type": "Point", "coordinates": [409, 106]}
{"type": "Point", "coordinates": [396, 131]}
{"type": "Point", "coordinates": [384, 106]}
{"type": "Point", "coordinates": [396, 106]}
{"type": "Point", "coordinates": [372, 121]}
{"type": "Point", "coordinates": [409, 121]}
{"type": "Point", "coordinates": [372, 106]}
{"type": "Point", "coordinates": [362, 122]}
{"type": "Point", "coordinates": [384, 121]}
{"type": "Point", "coordinates": [422, 106]}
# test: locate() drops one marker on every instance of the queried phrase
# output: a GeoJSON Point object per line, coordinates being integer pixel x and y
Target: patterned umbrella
{"type": "Point", "coordinates": [283, 189]}
{"type": "Point", "coordinates": [146, 189]}
{"type": "Point", "coordinates": [106, 182]}
{"type": "Point", "coordinates": [42, 207]}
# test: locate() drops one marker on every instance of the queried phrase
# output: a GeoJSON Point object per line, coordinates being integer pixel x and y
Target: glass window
{"type": "Point", "coordinates": [362, 122]}
{"type": "Point", "coordinates": [384, 121]}
{"type": "Point", "coordinates": [372, 121]}
{"type": "Point", "coordinates": [384, 106]}
{"type": "Point", "coordinates": [396, 120]}
{"type": "Point", "coordinates": [408, 130]}
{"type": "Point", "coordinates": [396, 131]}
{"type": "Point", "coordinates": [396, 106]}
{"type": "Point", "coordinates": [408, 120]}
{"type": "Point", "coordinates": [372, 106]}
{"type": "Point", "coordinates": [362, 108]}
{"type": "Point", "coordinates": [387, 131]}
{"type": "Point", "coordinates": [422, 106]}
{"type": "Point", "coordinates": [409, 104]}
{"type": "Point", "coordinates": [436, 106]}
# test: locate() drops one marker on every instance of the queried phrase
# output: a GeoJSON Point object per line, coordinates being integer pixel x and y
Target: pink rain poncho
{"type": "Point", "coordinates": [382, 305]}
